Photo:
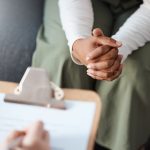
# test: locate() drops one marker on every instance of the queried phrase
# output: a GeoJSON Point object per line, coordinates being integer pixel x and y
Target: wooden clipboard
{"type": "Point", "coordinates": [79, 95]}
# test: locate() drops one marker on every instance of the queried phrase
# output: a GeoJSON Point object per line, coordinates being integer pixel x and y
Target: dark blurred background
{"type": "Point", "coordinates": [19, 24]}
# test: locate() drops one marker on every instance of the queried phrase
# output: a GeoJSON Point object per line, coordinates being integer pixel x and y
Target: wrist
{"type": "Point", "coordinates": [76, 48]}
{"type": "Point", "coordinates": [76, 45]}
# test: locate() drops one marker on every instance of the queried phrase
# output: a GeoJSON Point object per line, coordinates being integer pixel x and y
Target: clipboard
{"type": "Point", "coordinates": [71, 94]}
{"type": "Point", "coordinates": [36, 88]}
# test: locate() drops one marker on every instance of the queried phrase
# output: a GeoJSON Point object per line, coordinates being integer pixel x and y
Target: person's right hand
{"type": "Point", "coordinates": [97, 67]}
{"type": "Point", "coordinates": [33, 138]}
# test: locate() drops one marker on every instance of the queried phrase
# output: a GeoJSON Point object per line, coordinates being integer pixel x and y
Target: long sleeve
{"type": "Point", "coordinates": [77, 20]}
{"type": "Point", "coordinates": [136, 30]}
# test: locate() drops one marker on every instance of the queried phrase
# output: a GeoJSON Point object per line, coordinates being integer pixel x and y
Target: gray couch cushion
{"type": "Point", "coordinates": [19, 23]}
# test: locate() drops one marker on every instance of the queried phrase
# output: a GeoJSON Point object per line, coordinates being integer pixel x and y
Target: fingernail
{"type": "Point", "coordinates": [90, 75]}
{"type": "Point", "coordinates": [87, 58]}
{"type": "Point", "coordinates": [118, 43]}
{"type": "Point", "coordinates": [89, 71]}
{"type": "Point", "coordinates": [89, 66]}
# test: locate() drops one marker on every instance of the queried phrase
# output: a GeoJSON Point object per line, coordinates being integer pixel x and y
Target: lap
{"type": "Point", "coordinates": [125, 100]}
{"type": "Point", "coordinates": [126, 104]}
{"type": "Point", "coordinates": [52, 52]}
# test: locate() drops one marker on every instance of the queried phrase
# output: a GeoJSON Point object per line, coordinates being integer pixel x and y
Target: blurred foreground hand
{"type": "Point", "coordinates": [34, 137]}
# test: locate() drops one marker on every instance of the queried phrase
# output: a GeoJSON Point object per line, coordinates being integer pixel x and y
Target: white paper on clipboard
{"type": "Point", "coordinates": [69, 129]}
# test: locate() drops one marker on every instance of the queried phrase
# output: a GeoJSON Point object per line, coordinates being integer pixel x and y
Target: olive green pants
{"type": "Point", "coordinates": [125, 120]}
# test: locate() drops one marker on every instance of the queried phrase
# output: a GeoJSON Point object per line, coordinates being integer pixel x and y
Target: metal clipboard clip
{"type": "Point", "coordinates": [35, 88]}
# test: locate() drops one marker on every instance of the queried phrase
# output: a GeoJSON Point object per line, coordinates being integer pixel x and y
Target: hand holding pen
{"type": "Point", "coordinates": [32, 138]}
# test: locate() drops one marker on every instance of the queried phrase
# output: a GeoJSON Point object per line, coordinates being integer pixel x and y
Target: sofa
{"type": "Point", "coordinates": [19, 24]}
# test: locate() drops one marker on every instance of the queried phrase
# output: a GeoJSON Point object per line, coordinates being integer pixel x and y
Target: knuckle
{"type": "Point", "coordinates": [106, 47]}
{"type": "Point", "coordinates": [110, 55]}
{"type": "Point", "coordinates": [96, 77]}
{"type": "Point", "coordinates": [114, 53]}
{"type": "Point", "coordinates": [94, 72]}
{"type": "Point", "coordinates": [106, 74]}
{"type": "Point", "coordinates": [111, 62]}
{"type": "Point", "coordinates": [98, 74]}
{"type": "Point", "coordinates": [115, 49]}
{"type": "Point", "coordinates": [108, 64]}
{"type": "Point", "coordinates": [113, 78]}
{"type": "Point", "coordinates": [117, 66]}
{"type": "Point", "coordinates": [110, 79]}
{"type": "Point", "coordinates": [97, 66]}
{"type": "Point", "coordinates": [111, 40]}
{"type": "Point", "coordinates": [111, 70]}
{"type": "Point", "coordinates": [114, 68]}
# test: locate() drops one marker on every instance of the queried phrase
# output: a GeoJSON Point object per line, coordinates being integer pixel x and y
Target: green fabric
{"type": "Point", "coordinates": [52, 52]}
{"type": "Point", "coordinates": [125, 122]}
{"type": "Point", "coordinates": [118, 6]}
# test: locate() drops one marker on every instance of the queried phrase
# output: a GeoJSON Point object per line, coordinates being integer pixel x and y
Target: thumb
{"type": "Point", "coordinates": [97, 32]}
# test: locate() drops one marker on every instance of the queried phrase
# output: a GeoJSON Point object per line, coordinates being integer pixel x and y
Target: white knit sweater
{"type": "Point", "coordinates": [77, 21]}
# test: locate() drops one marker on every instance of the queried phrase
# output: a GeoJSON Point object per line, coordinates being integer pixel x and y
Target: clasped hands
{"type": "Point", "coordinates": [100, 55]}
